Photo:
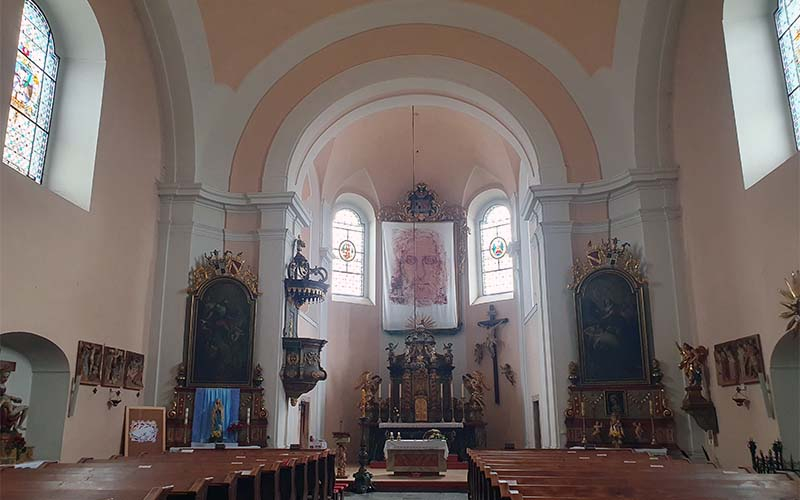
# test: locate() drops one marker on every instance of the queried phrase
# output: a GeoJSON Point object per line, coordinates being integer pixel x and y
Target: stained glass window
{"type": "Point", "coordinates": [788, 27]}
{"type": "Point", "coordinates": [497, 275]}
{"type": "Point", "coordinates": [348, 253]}
{"type": "Point", "coordinates": [32, 95]}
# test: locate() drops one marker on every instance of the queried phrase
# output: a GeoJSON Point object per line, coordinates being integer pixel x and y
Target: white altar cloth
{"type": "Point", "coordinates": [421, 425]}
{"type": "Point", "coordinates": [416, 444]}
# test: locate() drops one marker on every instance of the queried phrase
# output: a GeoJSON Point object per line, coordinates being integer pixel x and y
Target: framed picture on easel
{"type": "Point", "coordinates": [145, 430]}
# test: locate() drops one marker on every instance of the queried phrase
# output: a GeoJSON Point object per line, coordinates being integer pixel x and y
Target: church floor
{"type": "Point", "coordinates": [453, 483]}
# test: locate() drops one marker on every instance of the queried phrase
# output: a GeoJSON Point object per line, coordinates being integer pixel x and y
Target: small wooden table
{"type": "Point", "coordinates": [416, 455]}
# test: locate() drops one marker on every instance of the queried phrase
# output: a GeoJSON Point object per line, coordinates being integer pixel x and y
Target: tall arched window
{"type": "Point", "coordinates": [495, 234]}
{"type": "Point", "coordinates": [348, 253]}
{"type": "Point", "coordinates": [788, 27]}
{"type": "Point", "coordinates": [32, 95]}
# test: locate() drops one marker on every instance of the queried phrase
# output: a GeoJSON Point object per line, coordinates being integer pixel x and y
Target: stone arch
{"type": "Point", "coordinates": [48, 388]}
{"type": "Point", "coordinates": [456, 84]}
{"type": "Point", "coordinates": [785, 376]}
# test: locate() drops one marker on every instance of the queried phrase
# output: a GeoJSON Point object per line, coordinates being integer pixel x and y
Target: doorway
{"type": "Point", "coordinates": [537, 423]}
{"type": "Point", "coordinates": [304, 416]}
{"type": "Point", "coordinates": [41, 379]}
{"type": "Point", "coordinates": [785, 375]}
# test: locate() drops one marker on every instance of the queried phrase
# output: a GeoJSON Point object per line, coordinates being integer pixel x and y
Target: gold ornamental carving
{"type": "Point", "coordinates": [791, 302]}
{"type": "Point", "coordinates": [608, 254]}
{"type": "Point", "coordinates": [213, 265]}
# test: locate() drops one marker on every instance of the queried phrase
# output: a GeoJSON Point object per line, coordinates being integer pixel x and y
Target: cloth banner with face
{"type": "Point", "coordinates": [418, 274]}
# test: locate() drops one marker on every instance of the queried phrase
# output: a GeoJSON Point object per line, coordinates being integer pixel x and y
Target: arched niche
{"type": "Point", "coordinates": [785, 376]}
{"type": "Point", "coordinates": [42, 380]}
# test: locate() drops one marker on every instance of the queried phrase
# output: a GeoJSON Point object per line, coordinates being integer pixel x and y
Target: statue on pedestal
{"type": "Point", "coordinates": [12, 411]}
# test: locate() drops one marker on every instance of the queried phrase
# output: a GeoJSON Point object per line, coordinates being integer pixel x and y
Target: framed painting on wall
{"type": "Point", "coordinates": [739, 361]}
{"type": "Point", "coordinates": [134, 371]}
{"type": "Point", "coordinates": [113, 367]}
{"type": "Point", "coordinates": [145, 428]}
{"type": "Point", "coordinates": [90, 362]}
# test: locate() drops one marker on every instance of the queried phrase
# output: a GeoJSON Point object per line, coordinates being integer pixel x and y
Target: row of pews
{"type": "Point", "coordinates": [232, 474]}
{"type": "Point", "coordinates": [613, 474]}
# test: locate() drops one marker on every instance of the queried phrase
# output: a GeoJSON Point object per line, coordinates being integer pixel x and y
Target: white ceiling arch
{"type": "Point", "coordinates": [219, 114]}
{"type": "Point", "coordinates": [400, 81]}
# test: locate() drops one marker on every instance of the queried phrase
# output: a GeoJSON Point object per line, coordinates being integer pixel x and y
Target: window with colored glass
{"type": "Point", "coordinates": [497, 275]}
{"type": "Point", "coordinates": [788, 28]}
{"type": "Point", "coordinates": [32, 95]}
{"type": "Point", "coordinates": [348, 253]}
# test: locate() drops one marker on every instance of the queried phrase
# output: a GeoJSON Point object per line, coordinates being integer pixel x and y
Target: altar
{"type": "Point", "coordinates": [416, 455]}
{"type": "Point", "coordinates": [421, 400]}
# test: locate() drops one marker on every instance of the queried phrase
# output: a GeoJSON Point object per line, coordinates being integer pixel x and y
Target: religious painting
{"type": "Point", "coordinates": [134, 371]}
{"type": "Point", "coordinates": [221, 334]}
{"type": "Point", "coordinates": [739, 361]}
{"type": "Point", "coordinates": [113, 367]}
{"type": "Point", "coordinates": [145, 430]}
{"type": "Point", "coordinates": [90, 362]}
{"type": "Point", "coordinates": [419, 274]}
{"type": "Point", "coordinates": [615, 403]}
{"type": "Point", "coordinates": [612, 334]}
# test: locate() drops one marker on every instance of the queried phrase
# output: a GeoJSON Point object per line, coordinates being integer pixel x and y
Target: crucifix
{"type": "Point", "coordinates": [490, 344]}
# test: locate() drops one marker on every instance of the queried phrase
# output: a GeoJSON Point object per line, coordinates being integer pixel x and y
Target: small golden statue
{"type": "Point", "coordinates": [692, 362]}
{"type": "Point", "coordinates": [369, 383]}
{"type": "Point", "coordinates": [475, 384]}
{"type": "Point", "coordinates": [638, 431]}
{"type": "Point", "coordinates": [597, 429]}
{"type": "Point", "coordinates": [615, 431]}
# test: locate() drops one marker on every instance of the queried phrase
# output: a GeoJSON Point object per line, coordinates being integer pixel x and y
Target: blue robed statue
{"type": "Point", "coordinates": [215, 409]}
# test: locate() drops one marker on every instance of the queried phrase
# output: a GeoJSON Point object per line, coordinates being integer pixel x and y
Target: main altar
{"type": "Point", "coordinates": [421, 399]}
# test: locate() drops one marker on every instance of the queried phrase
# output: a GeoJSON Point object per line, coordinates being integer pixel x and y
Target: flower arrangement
{"type": "Point", "coordinates": [215, 437]}
{"type": "Point", "coordinates": [235, 427]}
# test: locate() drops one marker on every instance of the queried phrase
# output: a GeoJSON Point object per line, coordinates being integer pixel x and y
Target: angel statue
{"type": "Point", "coordinates": [474, 384]}
{"type": "Point", "coordinates": [693, 360]}
{"type": "Point", "coordinates": [369, 383]}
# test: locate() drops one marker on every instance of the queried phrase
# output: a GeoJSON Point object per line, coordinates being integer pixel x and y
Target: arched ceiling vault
{"type": "Point", "coordinates": [596, 95]}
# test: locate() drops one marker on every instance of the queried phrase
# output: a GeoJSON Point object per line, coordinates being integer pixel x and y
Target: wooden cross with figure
{"type": "Point", "coordinates": [490, 344]}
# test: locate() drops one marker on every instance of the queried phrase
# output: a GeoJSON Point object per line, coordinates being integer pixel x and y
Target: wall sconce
{"type": "Point", "coordinates": [740, 396]}
{"type": "Point", "coordinates": [113, 402]}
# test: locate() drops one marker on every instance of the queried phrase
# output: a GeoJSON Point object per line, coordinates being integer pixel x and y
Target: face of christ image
{"type": "Point", "coordinates": [419, 272]}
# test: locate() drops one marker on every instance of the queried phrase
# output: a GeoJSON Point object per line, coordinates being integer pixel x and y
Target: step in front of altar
{"type": "Point", "coordinates": [453, 463]}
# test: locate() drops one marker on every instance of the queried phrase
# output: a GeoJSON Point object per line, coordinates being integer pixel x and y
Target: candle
{"type": "Point", "coordinates": [248, 416]}
{"type": "Point", "coordinates": [186, 416]}
{"type": "Point", "coordinates": [462, 390]}
{"type": "Point", "coordinates": [651, 408]}
{"type": "Point", "coordinates": [380, 391]}
{"type": "Point", "coordinates": [583, 408]}
{"type": "Point", "coordinates": [401, 394]}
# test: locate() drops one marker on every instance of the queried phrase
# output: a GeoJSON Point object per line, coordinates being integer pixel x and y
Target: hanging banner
{"type": "Point", "coordinates": [419, 274]}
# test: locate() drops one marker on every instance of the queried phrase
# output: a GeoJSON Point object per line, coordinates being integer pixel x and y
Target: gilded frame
{"type": "Point", "coordinates": [234, 289]}
{"type": "Point", "coordinates": [610, 324]}
{"type": "Point", "coordinates": [422, 204]}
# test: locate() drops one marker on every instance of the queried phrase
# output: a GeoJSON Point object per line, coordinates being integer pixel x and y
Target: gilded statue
{"type": "Point", "coordinates": [638, 431]}
{"type": "Point", "coordinates": [475, 384]}
{"type": "Point", "coordinates": [615, 430]}
{"type": "Point", "coordinates": [369, 383]}
{"type": "Point", "coordinates": [597, 429]}
{"type": "Point", "coordinates": [12, 411]}
{"type": "Point", "coordinates": [693, 360]}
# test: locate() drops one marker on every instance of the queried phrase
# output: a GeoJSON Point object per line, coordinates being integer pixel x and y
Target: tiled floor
{"type": "Point", "coordinates": [409, 496]}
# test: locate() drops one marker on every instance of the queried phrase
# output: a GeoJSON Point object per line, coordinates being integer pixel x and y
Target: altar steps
{"type": "Point", "coordinates": [452, 463]}
{"type": "Point", "coordinates": [454, 481]}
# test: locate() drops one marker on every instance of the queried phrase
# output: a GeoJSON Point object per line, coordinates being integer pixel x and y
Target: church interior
{"type": "Point", "coordinates": [493, 249]}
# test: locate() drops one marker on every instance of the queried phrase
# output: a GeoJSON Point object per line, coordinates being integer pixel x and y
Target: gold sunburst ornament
{"type": "Point", "coordinates": [792, 302]}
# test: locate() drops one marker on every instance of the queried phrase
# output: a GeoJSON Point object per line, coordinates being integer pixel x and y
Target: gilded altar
{"type": "Point", "coordinates": [421, 397]}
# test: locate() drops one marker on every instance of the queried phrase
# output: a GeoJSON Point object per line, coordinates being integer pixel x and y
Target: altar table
{"type": "Point", "coordinates": [416, 455]}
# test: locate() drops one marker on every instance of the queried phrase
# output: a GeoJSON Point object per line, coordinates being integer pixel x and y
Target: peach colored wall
{"type": "Point", "coordinates": [528, 75]}
{"type": "Point", "coordinates": [740, 245]}
{"type": "Point", "coordinates": [587, 29]}
{"type": "Point", "coordinates": [372, 157]}
{"type": "Point", "coordinates": [68, 274]}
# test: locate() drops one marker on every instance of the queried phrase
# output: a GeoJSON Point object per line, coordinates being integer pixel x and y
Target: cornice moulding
{"type": "Point", "coordinates": [588, 192]}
